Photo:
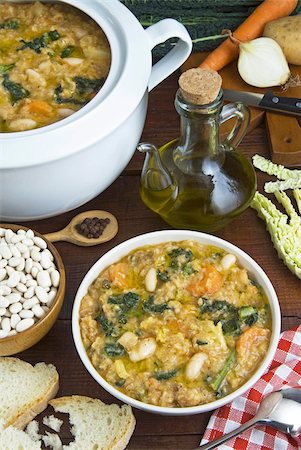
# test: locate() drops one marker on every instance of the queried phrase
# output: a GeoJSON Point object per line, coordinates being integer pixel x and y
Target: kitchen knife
{"type": "Point", "coordinates": [268, 101]}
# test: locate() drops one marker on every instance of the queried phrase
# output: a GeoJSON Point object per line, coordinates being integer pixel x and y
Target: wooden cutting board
{"type": "Point", "coordinates": [284, 132]}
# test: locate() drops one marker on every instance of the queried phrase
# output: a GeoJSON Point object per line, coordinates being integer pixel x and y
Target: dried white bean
{"type": "Point", "coordinates": [3, 263]}
{"type": "Point", "coordinates": [15, 239]}
{"type": "Point", "coordinates": [28, 304]}
{"type": "Point", "coordinates": [2, 274]}
{"type": "Point", "coordinates": [2, 311]}
{"type": "Point", "coordinates": [4, 302]}
{"type": "Point", "coordinates": [21, 231]}
{"type": "Point", "coordinates": [8, 235]}
{"type": "Point", "coordinates": [40, 242]}
{"type": "Point", "coordinates": [151, 280]}
{"type": "Point", "coordinates": [5, 251]}
{"type": "Point", "coordinates": [13, 279]}
{"type": "Point", "coordinates": [21, 247]}
{"type": "Point", "coordinates": [13, 297]}
{"type": "Point", "coordinates": [28, 242]}
{"type": "Point", "coordinates": [15, 308]}
{"type": "Point", "coordinates": [12, 333]}
{"type": "Point", "coordinates": [14, 251]}
{"type": "Point", "coordinates": [24, 324]}
{"type": "Point", "coordinates": [35, 255]}
{"type": "Point", "coordinates": [5, 324]}
{"type": "Point", "coordinates": [37, 265]}
{"type": "Point", "coordinates": [5, 290]}
{"type": "Point", "coordinates": [9, 270]}
{"type": "Point", "coordinates": [34, 272]}
{"type": "Point", "coordinates": [45, 261]}
{"type": "Point", "coordinates": [14, 261]}
{"type": "Point", "coordinates": [31, 282]}
{"type": "Point", "coordinates": [21, 288]}
{"type": "Point", "coordinates": [41, 294]}
{"type": "Point", "coordinates": [51, 296]}
{"type": "Point", "coordinates": [143, 349]}
{"type": "Point", "coordinates": [3, 334]}
{"type": "Point", "coordinates": [15, 318]}
{"type": "Point", "coordinates": [26, 313]}
{"type": "Point", "coordinates": [38, 311]}
{"type": "Point", "coordinates": [28, 265]}
{"type": "Point", "coordinates": [2, 231]}
{"type": "Point", "coordinates": [228, 261]}
{"type": "Point", "coordinates": [30, 292]}
{"type": "Point", "coordinates": [29, 234]}
{"type": "Point", "coordinates": [21, 266]}
{"type": "Point", "coordinates": [55, 278]}
{"type": "Point", "coordinates": [128, 340]}
{"type": "Point", "coordinates": [43, 279]}
{"type": "Point", "coordinates": [26, 254]}
{"type": "Point", "coordinates": [23, 278]}
{"type": "Point", "coordinates": [48, 253]}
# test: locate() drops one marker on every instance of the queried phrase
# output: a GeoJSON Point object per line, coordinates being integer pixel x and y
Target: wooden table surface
{"type": "Point", "coordinates": [152, 432]}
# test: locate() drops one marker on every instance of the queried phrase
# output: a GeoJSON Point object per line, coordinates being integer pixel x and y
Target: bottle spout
{"type": "Point", "coordinates": [155, 175]}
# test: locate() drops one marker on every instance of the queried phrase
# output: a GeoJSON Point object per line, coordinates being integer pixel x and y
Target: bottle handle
{"type": "Point", "coordinates": [160, 32]}
{"type": "Point", "coordinates": [242, 114]}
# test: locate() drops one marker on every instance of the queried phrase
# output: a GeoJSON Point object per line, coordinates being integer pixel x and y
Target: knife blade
{"type": "Point", "coordinates": [268, 101]}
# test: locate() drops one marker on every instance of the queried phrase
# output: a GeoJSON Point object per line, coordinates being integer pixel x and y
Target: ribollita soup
{"type": "Point", "coordinates": [177, 324]}
{"type": "Point", "coordinates": [53, 60]}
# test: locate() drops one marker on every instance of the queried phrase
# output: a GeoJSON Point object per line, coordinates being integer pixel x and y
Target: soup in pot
{"type": "Point", "coordinates": [176, 324]}
{"type": "Point", "coordinates": [53, 60]}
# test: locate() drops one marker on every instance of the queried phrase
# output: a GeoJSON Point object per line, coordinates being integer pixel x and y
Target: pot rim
{"type": "Point", "coordinates": [121, 88]}
{"type": "Point", "coordinates": [156, 237]}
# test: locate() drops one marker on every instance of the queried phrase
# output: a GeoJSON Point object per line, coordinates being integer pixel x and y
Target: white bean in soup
{"type": "Point", "coordinates": [196, 333]}
{"type": "Point", "coordinates": [53, 60]}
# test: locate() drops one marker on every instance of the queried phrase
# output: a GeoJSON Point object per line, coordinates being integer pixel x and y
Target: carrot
{"type": "Point", "coordinates": [39, 107]}
{"type": "Point", "coordinates": [251, 28]}
{"type": "Point", "coordinates": [211, 282]}
{"type": "Point", "coordinates": [249, 339]}
{"type": "Point", "coordinates": [120, 275]}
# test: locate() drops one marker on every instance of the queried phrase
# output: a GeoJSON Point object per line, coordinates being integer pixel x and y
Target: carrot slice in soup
{"type": "Point", "coordinates": [120, 275]}
{"type": "Point", "coordinates": [210, 283]}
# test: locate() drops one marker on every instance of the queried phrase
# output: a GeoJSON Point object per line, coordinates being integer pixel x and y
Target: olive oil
{"type": "Point", "coordinates": [204, 202]}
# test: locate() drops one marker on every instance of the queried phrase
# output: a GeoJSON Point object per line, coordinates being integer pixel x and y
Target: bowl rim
{"type": "Point", "coordinates": [124, 248]}
{"type": "Point", "coordinates": [59, 297]}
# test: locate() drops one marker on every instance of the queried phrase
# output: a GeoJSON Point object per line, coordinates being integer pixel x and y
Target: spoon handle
{"type": "Point", "coordinates": [55, 237]}
{"type": "Point", "coordinates": [226, 437]}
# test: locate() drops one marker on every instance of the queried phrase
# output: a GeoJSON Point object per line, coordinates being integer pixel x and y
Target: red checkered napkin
{"type": "Point", "coordinates": [285, 369]}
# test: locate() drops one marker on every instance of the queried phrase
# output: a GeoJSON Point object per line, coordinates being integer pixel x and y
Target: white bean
{"type": "Point", "coordinates": [2, 274]}
{"type": "Point", "coordinates": [23, 278]}
{"type": "Point", "coordinates": [5, 251]}
{"type": "Point", "coordinates": [194, 366]}
{"type": "Point", "coordinates": [15, 239]}
{"type": "Point", "coordinates": [31, 282]}
{"type": "Point", "coordinates": [45, 261]}
{"type": "Point", "coordinates": [2, 311]}
{"type": "Point", "coordinates": [8, 235]}
{"type": "Point", "coordinates": [20, 267]}
{"type": "Point", "coordinates": [143, 349]}
{"type": "Point", "coordinates": [5, 324]}
{"type": "Point", "coordinates": [3, 262]}
{"type": "Point", "coordinates": [128, 340]}
{"type": "Point", "coordinates": [28, 242]}
{"type": "Point", "coordinates": [43, 279]}
{"type": "Point", "coordinates": [35, 255]}
{"type": "Point", "coordinates": [34, 272]}
{"type": "Point", "coordinates": [28, 265]}
{"type": "Point", "coordinates": [13, 279]}
{"type": "Point", "coordinates": [29, 234]}
{"type": "Point", "coordinates": [48, 253]}
{"type": "Point", "coordinates": [151, 280]}
{"type": "Point", "coordinates": [21, 247]}
{"type": "Point", "coordinates": [21, 231]}
{"type": "Point", "coordinates": [4, 302]}
{"type": "Point", "coordinates": [21, 288]}
{"type": "Point", "coordinates": [30, 292]}
{"type": "Point", "coordinates": [38, 311]}
{"type": "Point", "coordinates": [2, 231]}
{"type": "Point", "coordinates": [51, 296]}
{"type": "Point", "coordinates": [14, 261]}
{"type": "Point", "coordinates": [3, 334]}
{"type": "Point", "coordinates": [5, 290]}
{"type": "Point", "coordinates": [228, 261]}
{"type": "Point", "coordinates": [15, 318]}
{"type": "Point", "coordinates": [73, 61]}
{"type": "Point", "coordinates": [55, 278]}
{"type": "Point", "coordinates": [26, 313]}
{"type": "Point", "coordinates": [13, 297]}
{"type": "Point", "coordinates": [41, 294]}
{"type": "Point", "coordinates": [14, 251]}
{"type": "Point", "coordinates": [9, 270]}
{"type": "Point", "coordinates": [24, 324]}
{"type": "Point", "coordinates": [12, 333]}
{"type": "Point", "coordinates": [15, 308]}
{"type": "Point", "coordinates": [28, 304]}
{"type": "Point", "coordinates": [40, 242]}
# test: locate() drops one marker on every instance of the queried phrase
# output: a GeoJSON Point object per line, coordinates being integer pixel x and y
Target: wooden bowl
{"type": "Point", "coordinates": [25, 339]}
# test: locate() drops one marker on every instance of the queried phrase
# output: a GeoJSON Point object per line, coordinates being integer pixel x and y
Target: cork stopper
{"type": "Point", "coordinates": [200, 86]}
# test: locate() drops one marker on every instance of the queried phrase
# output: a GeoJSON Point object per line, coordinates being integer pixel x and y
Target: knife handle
{"type": "Point", "coordinates": [286, 104]}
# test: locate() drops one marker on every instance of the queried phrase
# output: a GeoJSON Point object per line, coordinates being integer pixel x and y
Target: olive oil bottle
{"type": "Point", "coordinates": [196, 181]}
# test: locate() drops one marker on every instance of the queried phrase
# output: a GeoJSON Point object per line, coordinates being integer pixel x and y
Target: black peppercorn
{"type": "Point", "coordinates": [92, 228]}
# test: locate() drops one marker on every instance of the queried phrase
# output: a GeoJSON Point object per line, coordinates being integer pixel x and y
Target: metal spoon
{"type": "Point", "coordinates": [281, 410]}
{"type": "Point", "coordinates": [70, 233]}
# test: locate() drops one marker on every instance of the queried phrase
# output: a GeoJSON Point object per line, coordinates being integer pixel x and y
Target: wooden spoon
{"type": "Point", "coordinates": [70, 233]}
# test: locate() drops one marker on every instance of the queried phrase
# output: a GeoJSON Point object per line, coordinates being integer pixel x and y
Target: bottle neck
{"type": "Point", "coordinates": [199, 139]}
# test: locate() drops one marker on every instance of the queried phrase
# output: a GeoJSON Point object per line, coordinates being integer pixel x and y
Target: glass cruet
{"type": "Point", "coordinates": [196, 181]}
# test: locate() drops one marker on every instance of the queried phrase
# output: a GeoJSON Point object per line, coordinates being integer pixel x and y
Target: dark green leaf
{"type": "Point", "coordinates": [231, 326]}
{"type": "Point", "coordinates": [41, 41]}
{"type": "Point", "coordinates": [106, 284]}
{"type": "Point", "coordinates": [163, 275]}
{"type": "Point", "coordinates": [114, 350]}
{"type": "Point", "coordinates": [10, 24]}
{"type": "Point", "coordinates": [86, 86]}
{"type": "Point", "coordinates": [165, 375]}
{"type": "Point", "coordinates": [5, 68]}
{"type": "Point", "coordinates": [188, 270]}
{"type": "Point", "coordinates": [150, 306]}
{"type": "Point", "coordinates": [16, 91]}
{"type": "Point", "coordinates": [107, 325]}
{"type": "Point", "coordinates": [119, 383]}
{"type": "Point", "coordinates": [59, 99]}
{"type": "Point", "coordinates": [216, 381]}
{"type": "Point", "coordinates": [67, 51]}
{"type": "Point", "coordinates": [126, 302]}
{"type": "Point", "coordinates": [200, 342]}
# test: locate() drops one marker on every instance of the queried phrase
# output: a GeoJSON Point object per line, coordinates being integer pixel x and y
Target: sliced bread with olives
{"type": "Point", "coordinates": [95, 424]}
{"type": "Point", "coordinates": [25, 390]}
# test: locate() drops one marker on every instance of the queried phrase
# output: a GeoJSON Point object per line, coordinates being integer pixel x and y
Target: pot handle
{"type": "Point", "coordinates": [160, 32]}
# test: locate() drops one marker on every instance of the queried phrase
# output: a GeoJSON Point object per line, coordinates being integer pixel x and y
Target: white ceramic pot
{"type": "Point", "coordinates": [59, 167]}
{"type": "Point", "coordinates": [158, 237]}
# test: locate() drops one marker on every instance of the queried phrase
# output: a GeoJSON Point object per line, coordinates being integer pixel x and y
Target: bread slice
{"type": "Point", "coordinates": [95, 424]}
{"type": "Point", "coordinates": [25, 390]}
{"type": "Point", "coordinates": [12, 438]}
